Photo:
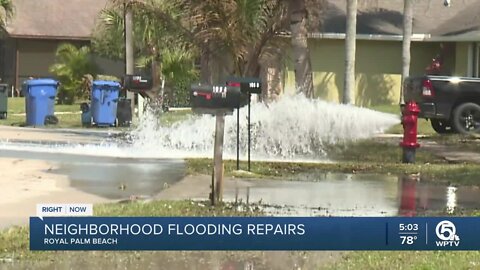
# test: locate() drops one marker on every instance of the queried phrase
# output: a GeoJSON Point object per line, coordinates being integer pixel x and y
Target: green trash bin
{"type": "Point", "coordinates": [3, 101]}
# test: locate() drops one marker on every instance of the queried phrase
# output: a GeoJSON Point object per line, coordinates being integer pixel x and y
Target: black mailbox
{"type": "Point", "coordinates": [211, 98]}
{"type": "Point", "coordinates": [137, 82]}
{"type": "Point", "coordinates": [246, 84]}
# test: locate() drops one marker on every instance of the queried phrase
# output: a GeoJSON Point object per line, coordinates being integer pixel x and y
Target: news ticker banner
{"type": "Point", "coordinates": [254, 233]}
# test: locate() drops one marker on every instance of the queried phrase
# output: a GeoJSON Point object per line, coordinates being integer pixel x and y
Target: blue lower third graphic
{"type": "Point", "coordinates": [254, 233]}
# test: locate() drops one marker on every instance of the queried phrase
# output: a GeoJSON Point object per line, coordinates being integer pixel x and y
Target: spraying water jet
{"type": "Point", "coordinates": [293, 128]}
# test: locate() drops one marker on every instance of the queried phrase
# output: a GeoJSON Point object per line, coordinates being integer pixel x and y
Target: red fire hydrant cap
{"type": "Point", "coordinates": [412, 107]}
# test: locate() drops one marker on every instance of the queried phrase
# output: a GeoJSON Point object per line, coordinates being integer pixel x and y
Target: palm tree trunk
{"type": "Point", "coordinates": [301, 54]}
{"type": "Point", "coordinates": [407, 37]}
{"type": "Point", "coordinates": [350, 39]}
{"type": "Point", "coordinates": [205, 65]}
{"type": "Point", "coordinates": [129, 52]}
{"type": "Point", "coordinates": [158, 89]}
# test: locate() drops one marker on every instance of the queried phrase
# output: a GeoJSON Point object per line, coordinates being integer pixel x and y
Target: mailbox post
{"type": "Point", "coordinates": [236, 84]}
{"type": "Point", "coordinates": [248, 86]}
{"type": "Point", "coordinates": [218, 157]}
{"type": "Point", "coordinates": [218, 101]}
{"type": "Point", "coordinates": [135, 84]}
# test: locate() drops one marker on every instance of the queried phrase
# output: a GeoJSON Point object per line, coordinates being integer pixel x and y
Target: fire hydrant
{"type": "Point", "coordinates": [409, 122]}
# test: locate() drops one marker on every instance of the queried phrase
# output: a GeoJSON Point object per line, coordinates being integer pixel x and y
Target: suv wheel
{"type": "Point", "coordinates": [466, 118]}
{"type": "Point", "coordinates": [441, 126]}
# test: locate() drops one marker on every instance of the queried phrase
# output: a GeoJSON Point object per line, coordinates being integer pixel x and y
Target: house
{"type": "Point", "coordinates": [38, 27]}
{"type": "Point", "coordinates": [453, 32]}
{"type": "Point", "coordinates": [31, 37]}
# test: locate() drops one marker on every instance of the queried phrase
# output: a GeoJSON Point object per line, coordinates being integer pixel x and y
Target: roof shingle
{"type": "Point", "coordinates": [377, 17]}
{"type": "Point", "coordinates": [54, 19]}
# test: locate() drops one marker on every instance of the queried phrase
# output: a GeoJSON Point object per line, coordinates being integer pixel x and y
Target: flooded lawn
{"type": "Point", "coordinates": [333, 194]}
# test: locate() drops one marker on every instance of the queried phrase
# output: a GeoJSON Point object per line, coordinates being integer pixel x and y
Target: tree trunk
{"type": "Point", "coordinates": [159, 90]}
{"type": "Point", "coordinates": [350, 40]}
{"type": "Point", "coordinates": [407, 37]}
{"type": "Point", "coordinates": [129, 54]}
{"type": "Point", "coordinates": [301, 54]}
{"type": "Point", "coordinates": [205, 65]}
{"type": "Point", "coordinates": [271, 73]}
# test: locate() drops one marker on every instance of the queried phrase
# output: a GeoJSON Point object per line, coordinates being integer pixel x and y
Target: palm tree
{"type": "Point", "coordinates": [7, 11]}
{"type": "Point", "coordinates": [301, 54]}
{"type": "Point", "coordinates": [177, 71]}
{"type": "Point", "coordinates": [350, 39]}
{"type": "Point", "coordinates": [156, 43]}
{"type": "Point", "coordinates": [238, 30]}
{"type": "Point", "coordinates": [229, 36]}
{"type": "Point", "coordinates": [407, 37]}
{"type": "Point", "coordinates": [72, 66]}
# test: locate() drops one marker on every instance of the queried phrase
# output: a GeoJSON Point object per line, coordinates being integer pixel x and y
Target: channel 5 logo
{"type": "Point", "coordinates": [447, 233]}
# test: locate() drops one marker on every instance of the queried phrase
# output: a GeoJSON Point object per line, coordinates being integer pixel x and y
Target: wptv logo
{"type": "Point", "coordinates": [447, 233]}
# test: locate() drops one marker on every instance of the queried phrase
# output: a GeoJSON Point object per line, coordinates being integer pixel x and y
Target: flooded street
{"type": "Point", "coordinates": [121, 180]}
{"type": "Point", "coordinates": [321, 194]}
{"type": "Point", "coordinates": [109, 177]}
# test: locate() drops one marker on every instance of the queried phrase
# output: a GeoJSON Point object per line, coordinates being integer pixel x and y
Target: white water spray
{"type": "Point", "coordinates": [293, 128]}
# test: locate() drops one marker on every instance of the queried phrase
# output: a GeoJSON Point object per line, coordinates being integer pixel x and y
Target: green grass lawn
{"type": "Point", "coordinates": [17, 106]}
{"type": "Point", "coordinates": [365, 156]}
{"type": "Point", "coordinates": [171, 117]}
{"type": "Point", "coordinates": [465, 174]}
{"type": "Point", "coordinates": [64, 121]}
{"type": "Point", "coordinates": [425, 260]}
{"type": "Point", "coordinates": [73, 118]}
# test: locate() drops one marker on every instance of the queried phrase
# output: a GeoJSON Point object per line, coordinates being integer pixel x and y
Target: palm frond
{"type": "Point", "coordinates": [6, 11]}
{"type": "Point", "coordinates": [72, 64]}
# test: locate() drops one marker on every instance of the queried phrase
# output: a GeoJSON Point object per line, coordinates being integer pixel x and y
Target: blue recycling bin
{"type": "Point", "coordinates": [39, 100]}
{"type": "Point", "coordinates": [104, 102]}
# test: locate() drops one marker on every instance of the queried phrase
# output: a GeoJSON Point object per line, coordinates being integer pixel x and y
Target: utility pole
{"type": "Point", "coordinates": [407, 39]}
{"type": "Point", "coordinates": [129, 56]}
{"type": "Point", "coordinates": [350, 48]}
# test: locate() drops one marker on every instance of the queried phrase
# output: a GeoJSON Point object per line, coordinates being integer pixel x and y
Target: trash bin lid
{"type": "Point", "coordinates": [106, 83]}
{"type": "Point", "coordinates": [39, 82]}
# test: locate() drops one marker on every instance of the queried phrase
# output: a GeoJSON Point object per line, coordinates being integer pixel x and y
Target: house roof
{"type": "Point", "coordinates": [382, 19]}
{"type": "Point", "coordinates": [466, 22]}
{"type": "Point", "coordinates": [376, 19]}
{"type": "Point", "coordinates": [54, 19]}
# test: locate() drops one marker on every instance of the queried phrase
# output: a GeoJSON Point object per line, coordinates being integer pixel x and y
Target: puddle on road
{"type": "Point", "coordinates": [109, 177]}
{"type": "Point", "coordinates": [123, 180]}
{"type": "Point", "coordinates": [326, 194]}
{"type": "Point", "coordinates": [333, 194]}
